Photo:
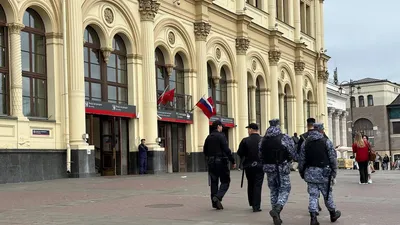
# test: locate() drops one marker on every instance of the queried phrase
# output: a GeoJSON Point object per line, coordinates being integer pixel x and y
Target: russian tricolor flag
{"type": "Point", "coordinates": [206, 105]}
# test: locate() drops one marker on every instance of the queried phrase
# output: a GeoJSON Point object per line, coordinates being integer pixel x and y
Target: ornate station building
{"type": "Point", "coordinates": [80, 80]}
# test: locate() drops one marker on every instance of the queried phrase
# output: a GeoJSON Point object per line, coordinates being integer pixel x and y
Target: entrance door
{"type": "Point", "coordinates": [109, 135]}
{"type": "Point", "coordinates": [173, 140]}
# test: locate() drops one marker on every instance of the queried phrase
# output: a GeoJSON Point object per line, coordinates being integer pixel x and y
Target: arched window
{"type": "Point", "coordinates": [92, 61]}
{"type": "Point", "coordinates": [370, 100]}
{"type": "Point", "coordinates": [221, 93]}
{"type": "Point", "coordinates": [177, 81]}
{"type": "Point", "coordinates": [249, 104]}
{"type": "Point", "coordinates": [285, 109]}
{"type": "Point", "coordinates": [352, 102]}
{"type": "Point", "coordinates": [308, 113]}
{"type": "Point", "coordinates": [361, 101]}
{"type": "Point", "coordinates": [4, 68]}
{"type": "Point", "coordinates": [161, 71]}
{"type": "Point", "coordinates": [282, 10]}
{"type": "Point", "coordinates": [211, 86]}
{"type": "Point", "coordinates": [117, 80]}
{"type": "Point", "coordinates": [258, 104]}
{"type": "Point", "coordinates": [34, 77]}
{"type": "Point", "coordinates": [364, 126]}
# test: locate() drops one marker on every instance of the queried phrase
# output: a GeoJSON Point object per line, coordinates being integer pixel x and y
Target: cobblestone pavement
{"type": "Point", "coordinates": [183, 198]}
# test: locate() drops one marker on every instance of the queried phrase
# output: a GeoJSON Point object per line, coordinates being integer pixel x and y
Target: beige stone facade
{"type": "Point", "coordinates": [258, 61]}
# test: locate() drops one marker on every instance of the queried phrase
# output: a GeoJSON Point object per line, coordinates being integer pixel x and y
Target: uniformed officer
{"type": "Point", "coordinates": [248, 149]}
{"type": "Point", "coordinates": [218, 155]}
{"type": "Point", "coordinates": [318, 166]}
{"type": "Point", "coordinates": [303, 137]}
{"type": "Point", "coordinates": [277, 150]}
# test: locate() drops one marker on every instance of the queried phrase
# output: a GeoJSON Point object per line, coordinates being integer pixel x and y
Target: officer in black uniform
{"type": "Point", "coordinates": [303, 137]}
{"type": "Point", "coordinates": [218, 155]}
{"type": "Point", "coordinates": [248, 149]}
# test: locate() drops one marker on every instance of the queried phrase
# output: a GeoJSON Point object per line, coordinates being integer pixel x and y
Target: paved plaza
{"type": "Point", "coordinates": [183, 199]}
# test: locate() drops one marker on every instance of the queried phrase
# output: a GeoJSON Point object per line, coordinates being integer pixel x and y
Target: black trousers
{"type": "Point", "coordinates": [376, 165]}
{"type": "Point", "coordinates": [219, 172]}
{"type": "Point", "coordinates": [363, 169]}
{"type": "Point", "coordinates": [255, 179]}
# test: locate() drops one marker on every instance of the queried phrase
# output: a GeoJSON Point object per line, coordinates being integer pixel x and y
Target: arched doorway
{"type": "Point", "coordinates": [365, 127]}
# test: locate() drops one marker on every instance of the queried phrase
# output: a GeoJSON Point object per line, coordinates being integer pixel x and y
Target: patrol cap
{"type": "Point", "coordinates": [310, 121]}
{"type": "Point", "coordinates": [274, 122]}
{"type": "Point", "coordinates": [217, 123]}
{"type": "Point", "coordinates": [319, 126]}
{"type": "Point", "coordinates": [253, 126]}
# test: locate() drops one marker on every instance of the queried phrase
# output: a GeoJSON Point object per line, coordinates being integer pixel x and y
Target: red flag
{"type": "Point", "coordinates": [210, 100]}
{"type": "Point", "coordinates": [166, 97]}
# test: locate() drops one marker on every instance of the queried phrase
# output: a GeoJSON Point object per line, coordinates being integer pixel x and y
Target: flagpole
{"type": "Point", "coordinates": [195, 105]}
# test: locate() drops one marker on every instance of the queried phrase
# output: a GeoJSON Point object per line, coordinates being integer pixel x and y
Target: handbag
{"type": "Point", "coordinates": [371, 153]}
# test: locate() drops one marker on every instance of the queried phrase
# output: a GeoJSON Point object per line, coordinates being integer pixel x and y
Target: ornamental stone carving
{"type": "Point", "coordinates": [171, 38]}
{"type": "Point", "coordinates": [283, 75]}
{"type": "Point", "coordinates": [106, 53]}
{"type": "Point", "coordinates": [323, 76]}
{"type": "Point", "coordinates": [201, 30]}
{"type": "Point", "coordinates": [108, 15]}
{"type": "Point", "coordinates": [242, 44]}
{"type": "Point", "coordinates": [148, 9]}
{"type": "Point", "coordinates": [15, 28]}
{"type": "Point", "coordinates": [254, 65]}
{"type": "Point", "coordinates": [274, 57]}
{"type": "Point", "coordinates": [305, 82]}
{"type": "Point", "coordinates": [218, 53]}
{"type": "Point", "coordinates": [299, 66]}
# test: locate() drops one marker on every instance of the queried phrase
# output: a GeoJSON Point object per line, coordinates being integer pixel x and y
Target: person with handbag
{"type": "Point", "coordinates": [372, 156]}
{"type": "Point", "coordinates": [361, 149]}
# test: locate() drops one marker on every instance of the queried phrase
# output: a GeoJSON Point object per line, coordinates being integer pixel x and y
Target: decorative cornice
{"type": "Point", "coordinates": [148, 9]}
{"type": "Point", "coordinates": [201, 30]}
{"type": "Point", "coordinates": [323, 76]}
{"type": "Point", "coordinates": [299, 67]}
{"type": "Point", "coordinates": [54, 35]}
{"type": "Point", "coordinates": [106, 53]}
{"type": "Point", "coordinates": [274, 57]}
{"type": "Point", "coordinates": [15, 28]}
{"type": "Point", "coordinates": [134, 56]}
{"type": "Point", "coordinates": [231, 82]}
{"type": "Point", "coordinates": [242, 44]}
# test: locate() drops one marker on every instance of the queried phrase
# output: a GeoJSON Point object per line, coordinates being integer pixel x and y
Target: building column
{"type": "Point", "coordinates": [82, 163]}
{"type": "Point", "coordinates": [321, 25]}
{"type": "Point", "coordinates": [253, 115]}
{"type": "Point", "coordinates": [321, 106]}
{"type": "Point", "coordinates": [343, 128]}
{"type": "Point", "coordinates": [148, 10]}
{"type": "Point", "coordinates": [336, 130]}
{"type": "Point", "coordinates": [274, 57]}
{"type": "Point", "coordinates": [201, 31]}
{"type": "Point", "coordinates": [242, 44]}
{"type": "Point", "coordinates": [299, 68]}
{"type": "Point", "coordinates": [297, 20]}
{"type": "Point", "coordinates": [330, 122]}
{"type": "Point", "coordinates": [291, 104]}
{"type": "Point", "coordinates": [272, 14]}
{"type": "Point", "coordinates": [282, 111]}
{"type": "Point", "coordinates": [264, 109]}
{"type": "Point", "coordinates": [16, 70]}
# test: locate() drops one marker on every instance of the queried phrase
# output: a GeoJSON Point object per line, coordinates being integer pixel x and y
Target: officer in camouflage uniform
{"type": "Point", "coordinates": [276, 151]}
{"type": "Point", "coordinates": [318, 166]}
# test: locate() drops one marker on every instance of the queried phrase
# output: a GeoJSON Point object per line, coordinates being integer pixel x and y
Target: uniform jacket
{"type": "Point", "coordinates": [287, 142]}
{"type": "Point", "coordinates": [217, 145]}
{"type": "Point", "coordinates": [316, 174]}
{"type": "Point", "coordinates": [248, 148]}
{"type": "Point", "coordinates": [143, 151]}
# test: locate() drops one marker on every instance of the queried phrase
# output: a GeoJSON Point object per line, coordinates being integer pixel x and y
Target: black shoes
{"type": "Point", "coordinates": [275, 213]}
{"type": "Point", "coordinates": [335, 215]}
{"type": "Point", "coordinates": [314, 220]}
{"type": "Point", "coordinates": [257, 210]}
{"type": "Point", "coordinates": [217, 203]}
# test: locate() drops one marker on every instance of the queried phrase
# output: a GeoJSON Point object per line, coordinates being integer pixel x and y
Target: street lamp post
{"type": "Point", "coordinates": [352, 88]}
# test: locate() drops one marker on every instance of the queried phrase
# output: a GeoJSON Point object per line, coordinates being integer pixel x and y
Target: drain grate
{"type": "Point", "coordinates": [164, 206]}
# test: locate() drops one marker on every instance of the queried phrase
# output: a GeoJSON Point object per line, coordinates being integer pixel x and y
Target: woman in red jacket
{"type": "Point", "coordinates": [360, 148]}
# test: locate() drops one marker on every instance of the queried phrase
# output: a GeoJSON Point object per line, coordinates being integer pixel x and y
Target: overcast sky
{"type": "Point", "coordinates": [363, 38]}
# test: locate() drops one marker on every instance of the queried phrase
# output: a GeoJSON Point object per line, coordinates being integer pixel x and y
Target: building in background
{"type": "Point", "coordinates": [81, 78]}
{"type": "Point", "coordinates": [369, 108]}
{"type": "Point", "coordinates": [337, 115]}
{"type": "Point", "coordinates": [394, 129]}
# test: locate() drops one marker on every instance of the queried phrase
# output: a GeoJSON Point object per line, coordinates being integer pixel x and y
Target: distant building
{"type": "Point", "coordinates": [394, 128]}
{"type": "Point", "coordinates": [369, 105]}
{"type": "Point", "coordinates": [337, 119]}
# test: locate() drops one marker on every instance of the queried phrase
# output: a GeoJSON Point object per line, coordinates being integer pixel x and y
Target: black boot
{"type": "Point", "coordinates": [276, 214]}
{"type": "Point", "coordinates": [314, 220]}
{"type": "Point", "coordinates": [335, 214]}
{"type": "Point", "coordinates": [217, 203]}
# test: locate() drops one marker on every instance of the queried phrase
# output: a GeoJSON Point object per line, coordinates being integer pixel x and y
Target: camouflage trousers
{"type": "Point", "coordinates": [314, 191]}
{"type": "Point", "coordinates": [280, 187]}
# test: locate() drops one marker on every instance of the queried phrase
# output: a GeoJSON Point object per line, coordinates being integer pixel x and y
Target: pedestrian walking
{"type": "Point", "coordinates": [361, 149]}
{"type": "Point", "coordinates": [218, 155]}
{"type": "Point", "coordinates": [277, 150]}
{"type": "Point", "coordinates": [310, 126]}
{"type": "Point", "coordinates": [143, 157]}
{"type": "Point", "coordinates": [318, 167]}
{"type": "Point", "coordinates": [248, 149]}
